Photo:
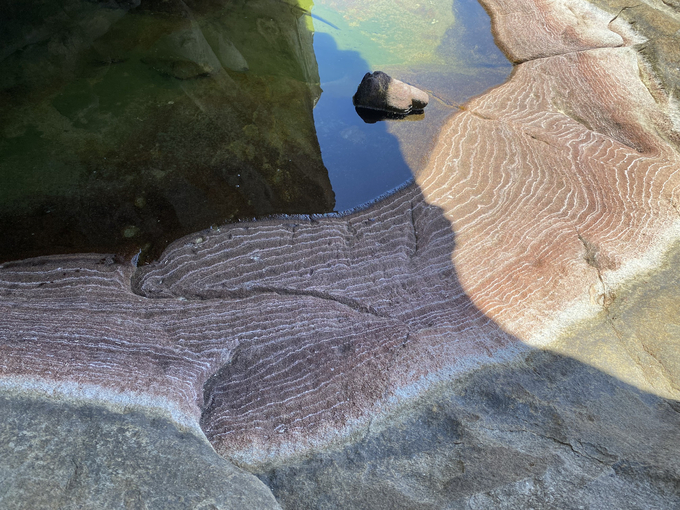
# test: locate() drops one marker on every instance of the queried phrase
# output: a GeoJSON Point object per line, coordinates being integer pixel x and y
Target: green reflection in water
{"type": "Point", "coordinates": [442, 46]}
{"type": "Point", "coordinates": [127, 125]}
{"type": "Point", "coordinates": [386, 32]}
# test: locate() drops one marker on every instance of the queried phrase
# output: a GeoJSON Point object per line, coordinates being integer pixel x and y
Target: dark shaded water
{"type": "Point", "coordinates": [127, 124]}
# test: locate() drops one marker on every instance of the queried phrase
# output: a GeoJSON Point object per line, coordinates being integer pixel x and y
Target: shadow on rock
{"type": "Point", "coordinates": [544, 432]}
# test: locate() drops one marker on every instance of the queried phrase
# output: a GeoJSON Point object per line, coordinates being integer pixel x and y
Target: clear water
{"type": "Point", "coordinates": [443, 47]}
{"type": "Point", "coordinates": [125, 124]}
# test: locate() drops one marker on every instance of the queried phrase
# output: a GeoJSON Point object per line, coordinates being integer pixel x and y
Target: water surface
{"type": "Point", "coordinates": [127, 124]}
{"type": "Point", "coordinates": [445, 48]}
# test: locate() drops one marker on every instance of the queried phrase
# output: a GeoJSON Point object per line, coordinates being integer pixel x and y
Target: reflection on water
{"type": "Point", "coordinates": [444, 47]}
{"type": "Point", "coordinates": [125, 124]}
{"type": "Point", "coordinates": [363, 160]}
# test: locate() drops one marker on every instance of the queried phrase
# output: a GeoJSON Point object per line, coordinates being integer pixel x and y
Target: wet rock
{"type": "Point", "coordinates": [378, 91]}
{"type": "Point", "coordinates": [228, 55]}
{"type": "Point", "coordinates": [161, 99]}
{"type": "Point", "coordinates": [184, 54]}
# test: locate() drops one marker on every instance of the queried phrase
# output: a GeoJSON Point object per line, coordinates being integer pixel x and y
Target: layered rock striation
{"type": "Point", "coordinates": [543, 199]}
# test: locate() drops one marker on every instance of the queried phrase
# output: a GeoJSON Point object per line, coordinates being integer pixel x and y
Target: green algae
{"type": "Point", "coordinates": [385, 32]}
{"type": "Point", "coordinates": [207, 112]}
{"type": "Point", "coordinates": [201, 112]}
{"type": "Point", "coordinates": [432, 33]}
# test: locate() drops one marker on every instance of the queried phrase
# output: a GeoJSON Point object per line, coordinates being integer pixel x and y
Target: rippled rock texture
{"type": "Point", "coordinates": [398, 354]}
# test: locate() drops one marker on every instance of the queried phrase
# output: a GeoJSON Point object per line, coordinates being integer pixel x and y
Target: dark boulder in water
{"type": "Point", "coordinates": [378, 91]}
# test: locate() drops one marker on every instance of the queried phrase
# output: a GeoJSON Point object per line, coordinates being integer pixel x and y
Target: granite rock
{"type": "Point", "coordinates": [544, 432]}
{"type": "Point", "coordinates": [65, 455]}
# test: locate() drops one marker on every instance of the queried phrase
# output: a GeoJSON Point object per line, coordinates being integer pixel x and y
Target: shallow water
{"type": "Point", "coordinates": [125, 125]}
{"type": "Point", "coordinates": [443, 47]}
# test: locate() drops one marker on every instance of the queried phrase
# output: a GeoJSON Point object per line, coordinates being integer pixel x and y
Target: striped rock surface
{"type": "Point", "coordinates": [541, 197]}
{"type": "Point", "coordinates": [551, 197]}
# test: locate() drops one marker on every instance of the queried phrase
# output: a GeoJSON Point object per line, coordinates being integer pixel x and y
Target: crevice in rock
{"type": "Point", "coordinates": [244, 293]}
{"type": "Point", "coordinates": [674, 405]}
{"type": "Point", "coordinates": [354, 304]}
{"type": "Point", "coordinates": [634, 356]}
{"type": "Point", "coordinates": [560, 442]}
{"type": "Point", "coordinates": [207, 398]}
{"type": "Point", "coordinates": [663, 369]}
{"type": "Point", "coordinates": [539, 139]}
{"type": "Point", "coordinates": [593, 259]}
{"type": "Point", "coordinates": [674, 205]}
{"type": "Point", "coordinates": [415, 231]}
{"type": "Point", "coordinates": [649, 78]}
{"type": "Point", "coordinates": [565, 53]}
{"type": "Point", "coordinates": [479, 115]}
{"type": "Point", "coordinates": [624, 344]}
{"type": "Point", "coordinates": [576, 118]}
{"type": "Point", "coordinates": [621, 11]}
{"type": "Point", "coordinates": [74, 478]}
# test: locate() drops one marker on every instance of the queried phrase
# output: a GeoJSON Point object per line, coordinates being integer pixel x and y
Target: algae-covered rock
{"type": "Point", "coordinates": [183, 54]}
{"type": "Point", "coordinates": [168, 117]}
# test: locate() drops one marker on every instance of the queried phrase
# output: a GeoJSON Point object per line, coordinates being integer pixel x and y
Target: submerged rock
{"type": "Point", "coordinates": [378, 91]}
{"type": "Point", "coordinates": [190, 118]}
{"type": "Point", "coordinates": [184, 54]}
{"type": "Point", "coordinates": [225, 51]}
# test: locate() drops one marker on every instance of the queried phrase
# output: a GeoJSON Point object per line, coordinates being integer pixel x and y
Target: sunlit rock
{"type": "Point", "coordinates": [396, 357]}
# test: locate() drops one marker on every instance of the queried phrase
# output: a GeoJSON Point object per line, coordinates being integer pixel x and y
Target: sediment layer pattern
{"type": "Point", "coordinates": [532, 29]}
{"type": "Point", "coordinates": [279, 334]}
{"type": "Point", "coordinates": [307, 325]}
{"type": "Point", "coordinates": [553, 182]}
